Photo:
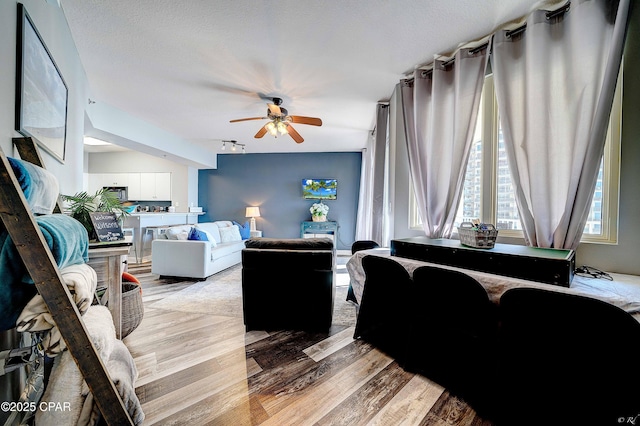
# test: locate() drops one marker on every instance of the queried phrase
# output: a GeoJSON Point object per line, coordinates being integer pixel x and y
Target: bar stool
{"type": "Point", "coordinates": [130, 231]}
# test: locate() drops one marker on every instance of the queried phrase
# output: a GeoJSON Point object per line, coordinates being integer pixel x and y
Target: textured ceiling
{"type": "Point", "coordinates": [190, 66]}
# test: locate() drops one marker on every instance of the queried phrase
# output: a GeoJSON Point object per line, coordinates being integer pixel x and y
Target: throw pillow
{"type": "Point", "coordinates": [245, 230]}
{"type": "Point", "coordinates": [229, 234]}
{"type": "Point", "coordinates": [180, 232]}
{"type": "Point", "coordinates": [197, 235]}
{"type": "Point", "coordinates": [210, 237]}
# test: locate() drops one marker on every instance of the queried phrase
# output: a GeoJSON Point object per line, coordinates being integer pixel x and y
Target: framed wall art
{"type": "Point", "coordinates": [41, 93]}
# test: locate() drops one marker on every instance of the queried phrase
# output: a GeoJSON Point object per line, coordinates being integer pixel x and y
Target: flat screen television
{"type": "Point", "coordinates": [319, 189]}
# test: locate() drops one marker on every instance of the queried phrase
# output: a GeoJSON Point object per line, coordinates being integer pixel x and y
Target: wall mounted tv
{"type": "Point", "coordinates": [319, 189]}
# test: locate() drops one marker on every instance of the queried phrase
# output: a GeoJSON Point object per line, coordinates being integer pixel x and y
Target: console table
{"type": "Point", "coordinates": [551, 266]}
{"type": "Point", "coordinates": [310, 229]}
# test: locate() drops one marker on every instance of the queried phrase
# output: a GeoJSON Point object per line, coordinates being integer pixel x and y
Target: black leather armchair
{"type": "Point", "coordinates": [288, 283]}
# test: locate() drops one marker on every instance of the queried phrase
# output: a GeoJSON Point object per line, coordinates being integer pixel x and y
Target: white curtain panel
{"type": "Point", "coordinates": [371, 219]}
{"type": "Point", "coordinates": [555, 84]}
{"type": "Point", "coordinates": [364, 218]}
{"type": "Point", "coordinates": [440, 110]}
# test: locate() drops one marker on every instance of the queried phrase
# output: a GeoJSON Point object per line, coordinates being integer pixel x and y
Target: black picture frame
{"type": "Point", "coordinates": [41, 92]}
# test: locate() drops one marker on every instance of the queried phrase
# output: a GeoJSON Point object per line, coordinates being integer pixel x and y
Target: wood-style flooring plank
{"type": "Point", "coordinates": [317, 400]}
{"type": "Point", "coordinates": [370, 398]}
{"type": "Point", "coordinates": [331, 344]}
{"type": "Point", "coordinates": [411, 404]}
{"type": "Point", "coordinates": [199, 389]}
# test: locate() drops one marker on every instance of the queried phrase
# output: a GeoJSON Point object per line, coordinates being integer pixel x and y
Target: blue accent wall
{"type": "Point", "coordinates": [273, 182]}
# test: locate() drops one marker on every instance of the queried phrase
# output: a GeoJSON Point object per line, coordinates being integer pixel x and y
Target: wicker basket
{"type": "Point", "coordinates": [132, 308]}
{"type": "Point", "coordinates": [478, 238]}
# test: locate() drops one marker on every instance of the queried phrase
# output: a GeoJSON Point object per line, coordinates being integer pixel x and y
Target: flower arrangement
{"type": "Point", "coordinates": [319, 211]}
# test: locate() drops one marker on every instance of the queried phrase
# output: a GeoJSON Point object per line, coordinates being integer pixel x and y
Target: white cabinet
{"type": "Point", "coordinates": [115, 179]}
{"type": "Point", "coordinates": [155, 186]}
{"type": "Point", "coordinates": [133, 189]}
{"type": "Point", "coordinates": [98, 181]}
{"type": "Point", "coordinates": [140, 186]}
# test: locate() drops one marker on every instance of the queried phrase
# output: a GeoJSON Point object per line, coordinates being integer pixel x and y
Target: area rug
{"type": "Point", "coordinates": [221, 294]}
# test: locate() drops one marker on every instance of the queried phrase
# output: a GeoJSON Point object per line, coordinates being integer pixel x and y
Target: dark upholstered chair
{"type": "Point", "coordinates": [453, 333]}
{"type": "Point", "coordinates": [383, 314]}
{"type": "Point", "coordinates": [363, 245]}
{"type": "Point", "coordinates": [567, 359]}
{"type": "Point", "coordinates": [356, 247]}
{"type": "Point", "coordinates": [288, 283]}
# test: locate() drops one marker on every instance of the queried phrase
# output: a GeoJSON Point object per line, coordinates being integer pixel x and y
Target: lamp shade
{"type": "Point", "coordinates": [253, 212]}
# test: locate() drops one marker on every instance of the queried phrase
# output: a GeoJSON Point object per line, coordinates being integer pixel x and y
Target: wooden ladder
{"type": "Point", "coordinates": [41, 266]}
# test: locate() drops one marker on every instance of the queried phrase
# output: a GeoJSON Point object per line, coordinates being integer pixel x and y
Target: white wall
{"type": "Point", "coordinates": [52, 26]}
{"type": "Point", "coordinates": [184, 182]}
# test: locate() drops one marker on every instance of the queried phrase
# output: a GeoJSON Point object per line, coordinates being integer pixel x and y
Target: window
{"type": "Point", "coordinates": [488, 193]}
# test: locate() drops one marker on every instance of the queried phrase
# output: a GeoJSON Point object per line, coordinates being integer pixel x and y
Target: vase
{"type": "Point", "coordinates": [322, 218]}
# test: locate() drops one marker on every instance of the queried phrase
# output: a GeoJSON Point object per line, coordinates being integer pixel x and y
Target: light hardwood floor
{"type": "Point", "coordinates": [202, 369]}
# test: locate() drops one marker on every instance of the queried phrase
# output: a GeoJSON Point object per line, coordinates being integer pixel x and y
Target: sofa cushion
{"type": "Point", "coordinates": [245, 230]}
{"type": "Point", "coordinates": [229, 234]}
{"type": "Point", "coordinates": [210, 238]}
{"type": "Point", "coordinates": [180, 232]}
{"type": "Point", "coordinates": [290, 243]}
{"type": "Point", "coordinates": [224, 249]}
{"type": "Point", "coordinates": [223, 223]}
{"type": "Point", "coordinates": [212, 229]}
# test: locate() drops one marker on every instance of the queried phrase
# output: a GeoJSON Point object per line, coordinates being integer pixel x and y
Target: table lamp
{"type": "Point", "coordinates": [253, 212]}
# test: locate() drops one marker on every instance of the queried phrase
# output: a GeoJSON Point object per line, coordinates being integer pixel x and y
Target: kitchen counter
{"type": "Point", "coordinates": [140, 221]}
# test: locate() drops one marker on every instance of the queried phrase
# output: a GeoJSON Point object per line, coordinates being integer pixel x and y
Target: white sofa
{"type": "Point", "coordinates": [175, 255]}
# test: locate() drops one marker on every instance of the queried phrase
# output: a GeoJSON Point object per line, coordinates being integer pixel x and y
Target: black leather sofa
{"type": "Point", "coordinates": [288, 284]}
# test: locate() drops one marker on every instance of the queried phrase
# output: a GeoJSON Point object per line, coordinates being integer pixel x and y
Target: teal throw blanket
{"type": "Point", "coordinates": [69, 244]}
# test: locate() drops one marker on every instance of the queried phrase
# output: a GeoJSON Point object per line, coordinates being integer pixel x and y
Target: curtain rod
{"type": "Point", "coordinates": [549, 15]}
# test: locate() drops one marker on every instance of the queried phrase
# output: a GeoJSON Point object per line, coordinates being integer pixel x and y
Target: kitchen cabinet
{"type": "Point", "coordinates": [155, 187]}
{"type": "Point", "coordinates": [140, 186]}
{"type": "Point", "coordinates": [134, 189]}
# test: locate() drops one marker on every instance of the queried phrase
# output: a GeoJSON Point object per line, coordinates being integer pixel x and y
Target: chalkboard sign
{"type": "Point", "coordinates": [106, 226]}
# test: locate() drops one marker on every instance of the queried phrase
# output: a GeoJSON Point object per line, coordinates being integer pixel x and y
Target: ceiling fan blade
{"type": "Point", "coordinates": [294, 134]}
{"type": "Point", "coordinates": [305, 120]}
{"type": "Point", "coordinates": [274, 109]}
{"type": "Point", "coordinates": [261, 132]}
{"type": "Point", "coordinates": [247, 119]}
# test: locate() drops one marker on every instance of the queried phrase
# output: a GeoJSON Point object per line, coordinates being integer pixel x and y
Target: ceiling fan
{"type": "Point", "coordinates": [281, 121]}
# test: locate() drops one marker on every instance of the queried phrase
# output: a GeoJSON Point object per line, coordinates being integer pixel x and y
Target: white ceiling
{"type": "Point", "coordinates": [188, 67]}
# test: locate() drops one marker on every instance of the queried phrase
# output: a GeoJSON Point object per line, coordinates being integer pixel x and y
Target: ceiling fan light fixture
{"type": "Point", "coordinates": [280, 122]}
{"type": "Point", "coordinates": [282, 128]}
{"type": "Point", "coordinates": [271, 128]}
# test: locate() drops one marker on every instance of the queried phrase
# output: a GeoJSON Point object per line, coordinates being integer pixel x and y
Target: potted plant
{"type": "Point", "coordinates": [319, 212]}
{"type": "Point", "coordinates": [82, 203]}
